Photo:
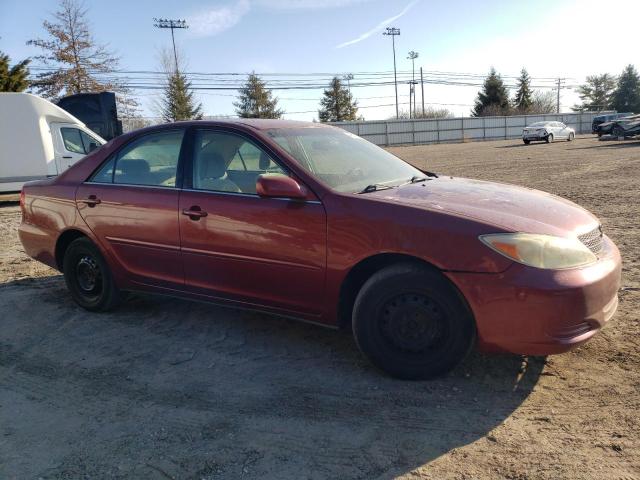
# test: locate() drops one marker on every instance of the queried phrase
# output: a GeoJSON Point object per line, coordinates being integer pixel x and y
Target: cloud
{"type": "Point", "coordinates": [306, 4]}
{"type": "Point", "coordinates": [379, 26]}
{"type": "Point", "coordinates": [215, 20]}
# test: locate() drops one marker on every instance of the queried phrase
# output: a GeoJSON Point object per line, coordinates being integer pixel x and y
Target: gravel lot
{"type": "Point", "coordinates": [169, 389]}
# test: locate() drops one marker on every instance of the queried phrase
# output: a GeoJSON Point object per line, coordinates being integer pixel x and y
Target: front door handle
{"type": "Point", "coordinates": [194, 213]}
{"type": "Point", "coordinates": [91, 201]}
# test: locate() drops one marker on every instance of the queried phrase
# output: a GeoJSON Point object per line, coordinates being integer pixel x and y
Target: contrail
{"type": "Point", "coordinates": [379, 26]}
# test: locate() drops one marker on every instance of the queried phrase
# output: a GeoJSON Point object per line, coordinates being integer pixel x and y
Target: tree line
{"type": "Point", "coordinates": [600, 92]}
{"type": "Point", "coordinates": [74, 58]}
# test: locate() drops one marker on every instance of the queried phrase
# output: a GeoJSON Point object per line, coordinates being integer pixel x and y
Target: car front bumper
{"type": "Point", "coordinates": [532, 311]}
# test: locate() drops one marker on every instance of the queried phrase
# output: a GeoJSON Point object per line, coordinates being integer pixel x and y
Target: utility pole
{"type": "Point", "coordinates": [348, 77]}
{"type": "Point", "coordinates": [172, 24]}
{"type": "Point", "coordinates": [559, 85]}
{"type": "Point", "coordinates": [412, 56]}
{"type": "Point", "coordinates": [422, 87]}
{"type": "Point", "coordinates": [393, 32]}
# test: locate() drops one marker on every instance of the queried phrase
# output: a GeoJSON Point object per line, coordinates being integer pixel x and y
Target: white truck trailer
{"type": "Point", "coordinates": [38, 140]}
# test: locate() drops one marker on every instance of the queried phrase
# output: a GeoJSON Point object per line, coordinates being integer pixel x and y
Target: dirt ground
{"type": "Point", "coordinates": [170, 389]}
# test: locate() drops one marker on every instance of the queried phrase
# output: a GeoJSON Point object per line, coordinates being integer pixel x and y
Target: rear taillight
{"type": "Point", "coordinates": [22, 201]}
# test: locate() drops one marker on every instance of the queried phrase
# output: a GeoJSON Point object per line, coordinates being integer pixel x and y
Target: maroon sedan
{"type": "Point", "coordinates": [315, 223]}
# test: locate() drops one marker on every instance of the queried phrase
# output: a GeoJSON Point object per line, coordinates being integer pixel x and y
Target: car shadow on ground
{"type": "Point", "coordinates": [613, 144]}
{"type": "Point", "coordinates": [166, 388]}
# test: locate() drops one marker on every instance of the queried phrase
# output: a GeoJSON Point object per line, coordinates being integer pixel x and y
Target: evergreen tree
{"type": "Point", "coordinates": [255, 101]}
{"type": "Point", "coordinates": [75, 58]}
{"type": "Point", "coordinates": [13, 79]}
{"type": "Point", "coordinates": [626, 97]}
{"type": "Point", "coordinates": [596, 93]}
{"type": "Point", "coordinates": [338, 104]}
{"type": "Point", "coordinates": [523, 99]}
{"type": "Point", "coordinates": [493, 99]}
{"type": "Point", "coordinates": [177, 102]}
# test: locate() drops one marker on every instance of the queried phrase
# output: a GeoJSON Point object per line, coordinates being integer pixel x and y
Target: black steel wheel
{"type": "Point", "coordinates": [411, 322]}
{"type": "Point", "coordinates": [88, 277]}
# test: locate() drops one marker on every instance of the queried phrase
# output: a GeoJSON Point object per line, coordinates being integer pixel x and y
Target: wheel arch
{"type": "Point", "coordinates": [63, 242]}
{"type": "Point", "coordinates": [361, 272]}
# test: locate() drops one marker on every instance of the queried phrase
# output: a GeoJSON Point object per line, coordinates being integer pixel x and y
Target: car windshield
{"type": "Point", "coordinates": [345, 162]}
{"type": "Point", "coordinates": [538, 124]}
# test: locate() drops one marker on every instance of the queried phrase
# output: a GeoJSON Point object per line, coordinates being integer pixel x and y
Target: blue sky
{"type": "Point", "coordinates": [550, 38]}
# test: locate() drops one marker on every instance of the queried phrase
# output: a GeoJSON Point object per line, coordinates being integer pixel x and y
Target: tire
{"type": "Point", "coordinates": [412, 323]}
{"type": "Point", "coordinates": [526, 142]}
{"type": "Point", "coordinates": [549, 138]}
{"type": "Point", "coordinates": [570, 137]}
{"type": "Point", "coordinates": [89, 278]}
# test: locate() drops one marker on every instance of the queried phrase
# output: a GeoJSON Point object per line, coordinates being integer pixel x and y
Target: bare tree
{"type": "Point", "coordinates": [429, 112]}
{"type": "Point", "coordinates": [542, 102]}
{"type": "Point", "coordinates": [75, 59]}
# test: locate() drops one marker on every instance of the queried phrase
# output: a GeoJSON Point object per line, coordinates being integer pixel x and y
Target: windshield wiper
{"type": "Point", "coordinates": [374, 187]}
{"type": "Point", "coordinates": [417, 179]}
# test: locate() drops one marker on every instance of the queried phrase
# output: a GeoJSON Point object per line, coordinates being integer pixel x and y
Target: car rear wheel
{"type": "Point", "coordinates": [549, 138]}
{"type": "Point", "coordinates": [411, 322]}
{"type": "Point", "coordinates": [571, 137]}
{"type": "Point", "coordinates": [527, 142]}
{"type": "Point", "coordinates": [88, 277]}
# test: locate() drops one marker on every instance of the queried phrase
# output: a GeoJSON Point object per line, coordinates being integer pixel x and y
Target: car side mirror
{"type": "Point", "coordinates": [279, 186]}
{"type": "Point", "coordinates": [92, 146]}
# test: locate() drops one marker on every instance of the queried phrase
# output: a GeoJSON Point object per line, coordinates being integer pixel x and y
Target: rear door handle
{"type": "Point", "coordinates": [194, 213]}
{"type": "Point", "coordinates": [91, 201]}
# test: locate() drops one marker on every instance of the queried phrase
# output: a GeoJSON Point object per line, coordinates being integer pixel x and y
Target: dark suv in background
{"type": "Point", "coordinates": [600, 119]}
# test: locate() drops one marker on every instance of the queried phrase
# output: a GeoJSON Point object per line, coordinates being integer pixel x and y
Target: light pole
{"type": "Point", "coordinates": [172, 24]}
{"type": "Point", "coordinates": [393, 32]}
{"type": "Point", "coordinates": [412, 56]}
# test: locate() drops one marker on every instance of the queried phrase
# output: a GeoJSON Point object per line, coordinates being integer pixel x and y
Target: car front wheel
{"type": "Point", "coordinates": [88, 277]}
{"type": "Point", "coordinates": [411, 322]}
{"type": "Point", "coordinates": [571, 137]}
{"type": "Point", "coordinates": [526, 142]}
{"type": "Point", "coordinates": [549, 138]}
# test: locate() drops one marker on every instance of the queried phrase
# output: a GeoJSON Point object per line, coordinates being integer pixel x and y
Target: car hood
{"type": "Point", "coordinates": [508, 207]}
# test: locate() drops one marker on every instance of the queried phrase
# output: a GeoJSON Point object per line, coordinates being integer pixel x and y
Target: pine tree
{"type": "Point", "coordinates": [338, 104]}
{"type": "Point", "coordinates": [177, 102]}
{"type": "Point", "coordinates": [523, 100]}
{"type": "Point", "coordinates": [255, 100]}
{"type": "Point", "coordinates": [74, 57]}
{"type": "Point", "coordinates": [13, 79]}
{"type": "Point", "coordinates": [493, 99]}
{"type": "Point", "coordinates": [596, 93]}
{"type": "Point", "coordinates": [626, 97]}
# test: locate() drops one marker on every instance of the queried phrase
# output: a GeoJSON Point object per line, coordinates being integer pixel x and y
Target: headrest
{"type": "Point", "coordinates": [133, 166]}
{"type": "Point", "coordinates": [212, 164]}
{"type": "Point", "coordinates": [264, 162]}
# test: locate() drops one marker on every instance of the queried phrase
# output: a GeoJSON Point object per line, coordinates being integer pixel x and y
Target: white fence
{"type": "Point", "coordinates": [462, 129]}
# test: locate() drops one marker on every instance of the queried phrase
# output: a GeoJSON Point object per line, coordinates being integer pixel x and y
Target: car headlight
{"type": "Point", "coordinates": [541, 251]}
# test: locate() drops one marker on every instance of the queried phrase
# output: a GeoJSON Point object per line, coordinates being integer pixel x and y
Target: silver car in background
{"type": "Point", "coordinates": [547, 132]}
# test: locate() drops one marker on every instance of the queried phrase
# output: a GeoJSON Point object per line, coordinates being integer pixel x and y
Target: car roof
{"type": "Point", "coordinates": [246, 124]}
{"type": "Point", "coordinates": [254, 123]}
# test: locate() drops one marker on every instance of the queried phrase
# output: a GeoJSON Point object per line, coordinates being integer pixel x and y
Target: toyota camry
{"type": "Point", "coordinates": [311, 222]}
